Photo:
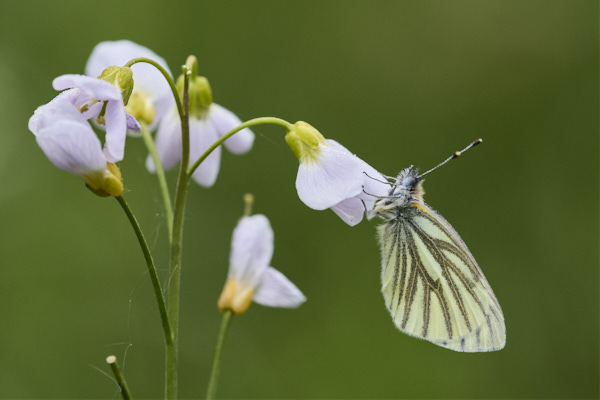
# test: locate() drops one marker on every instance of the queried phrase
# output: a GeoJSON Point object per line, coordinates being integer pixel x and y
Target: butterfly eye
{"type": "Point", "coordinates": [409, 181]}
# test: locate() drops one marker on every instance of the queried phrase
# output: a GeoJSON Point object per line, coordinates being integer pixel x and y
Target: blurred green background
{"type": "Point", "coordinates": [398, 83]}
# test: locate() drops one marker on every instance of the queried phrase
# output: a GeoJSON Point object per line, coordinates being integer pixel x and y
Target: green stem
{"type": "Point", "coordinates": [151, 269]}
{"type": "Point", "coordinates": [247, 124]}
{"type": "Point", "coordinates": [160, 175]}
{"type": "Point", "coordinates": [176, 245]}
{"type": "Point", "coordinates": [216, 367]}
{"type": "Point", "coordinates": [166, 75]}
{"type": "Point", "coordinates": [114, 366]}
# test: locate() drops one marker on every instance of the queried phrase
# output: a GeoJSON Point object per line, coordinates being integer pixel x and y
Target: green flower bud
{"type": "Point", "coordinates": [200, 95]}
{"type": "Point", "coordinates": [121, 78]}
{"type": "Point", "coordinates": [304, 141]}
{"type": "Point", "coordinates": [141, 107]}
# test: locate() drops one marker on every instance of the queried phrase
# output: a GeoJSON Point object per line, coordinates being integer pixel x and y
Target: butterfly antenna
{"type": "Point", "coordinates": [452, 157]}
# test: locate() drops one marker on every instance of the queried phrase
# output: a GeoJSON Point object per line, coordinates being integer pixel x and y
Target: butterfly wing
{"type": "Point", "coordinates": [433, 286]}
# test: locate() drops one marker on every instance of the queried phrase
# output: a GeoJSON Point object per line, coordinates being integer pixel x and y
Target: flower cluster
{"type": "Point", "coordinates": [135, 96]}
{"type": "Point", "coordinates": [127, 89]}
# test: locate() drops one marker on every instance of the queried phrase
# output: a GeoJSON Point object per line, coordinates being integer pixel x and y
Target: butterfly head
{"type": "Point", "coordinates": [406, 187]}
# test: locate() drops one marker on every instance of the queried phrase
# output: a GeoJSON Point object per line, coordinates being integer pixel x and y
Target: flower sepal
{"type": "Point", "coordinates": [304, 140]}
{"type": "Point", "coordinates": [200, 95]}
{"type": "Point", "coordinates": [235, 298]}
{"type": "Point", "coordinates": [105, 183]}
{"type": "Point", "coordinates": [121, 78]}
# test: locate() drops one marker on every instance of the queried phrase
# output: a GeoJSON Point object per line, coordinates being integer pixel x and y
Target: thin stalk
{"type": "Point", "coordinates": [114, 366]}
{"type": "Point", "coordinates": [247, 124]}
{"type": "Point", "coordinates": [216, 367]}
{"type": "Point", "coordinates": [160, 175]}
{"type": "Point", "coordinates": [151, 269]}
{"type": "Point", "coordinates": [176, 245]}
{"type": "Point", "coordinates": [165, 74]}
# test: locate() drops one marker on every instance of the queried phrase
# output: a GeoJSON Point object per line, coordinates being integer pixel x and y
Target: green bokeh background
{"type": "Point", "coordinates": [398, 83]}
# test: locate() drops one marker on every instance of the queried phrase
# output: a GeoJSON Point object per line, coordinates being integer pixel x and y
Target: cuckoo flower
{"type": "Point", "coordinates": [65, 136]}
{"type": "Point", "coordinates": [250, 276]}
{"type": "Point", "coordinates": [151, 97]}
{"type": "Point", "coordinates": [208, 122]}
{"type": "Point", "coordinates": [330, 176]}
{"type": "Point", "coordinates": [104, 98]}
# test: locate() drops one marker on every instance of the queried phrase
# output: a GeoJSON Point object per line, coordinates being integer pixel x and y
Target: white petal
{"type": "Point", "coordinates": [72, 146]}
{"type": "Point", "coordinates": [350, 210]}
{"type": "Point", "coordinates": [202, 136]}
{"type": "Point", "coordinates": [275, 290]}
{"type": "Point", "coordinates": [61, 107]}
{"type": "Point", "coordinates": [224, 121]}
{"type": "Point", "coordinates": [251, 250]}
{"type": "Point", "coordinates": [96, 88]}
{"type": "Point", "coordinates": [167, 142]}
{"type": "Point", "coordinates": [375, 184]}
{"type": "Point", "coordinates": [116, 131]}
{"type": "Point", "coordinates": [335, 177]}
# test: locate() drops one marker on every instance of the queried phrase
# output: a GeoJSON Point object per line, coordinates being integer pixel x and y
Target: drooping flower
{"type": "Point", "coordinates": [207, 123]}
{"type": "Point", "coordinates": [66, 137]}
{"type": "Point", "coordinates": [330, 176]}
{"type": "Point", "coordinates": [151, 97]}
{"type": "Point", "coordinates": [250, 277]}
{"type": "Point", "coordinates": [106, 101]}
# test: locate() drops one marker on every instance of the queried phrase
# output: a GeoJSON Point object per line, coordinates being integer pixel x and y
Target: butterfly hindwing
{"type": "Point", "coordinates": [433, 286]}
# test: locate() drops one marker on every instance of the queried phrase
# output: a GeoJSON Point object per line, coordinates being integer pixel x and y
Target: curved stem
{"type": "Point", "coordinates": [176, 245]}
{"type": "Point", "coordinates": [160, 175]}
{"type": "Point", "coordinates": [151, 270]}
{"type": "Point", "coordinates": [216, 367]}
{"type": "Point", "coordinates": [247, 124]}
{"type": "Point", "coordinates": [166, 75]}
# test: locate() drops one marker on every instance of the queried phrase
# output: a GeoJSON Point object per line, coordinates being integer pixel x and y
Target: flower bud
{"type": "Point", "coordinates": [121, 78]}
{"type": "Point", "coordinates": [141, 107]}
{"type": "Point", "coordinates": [304, 141]}
{"type": "Point", "coordinates": [200, 95]}
{"type": "Point", "coordinates": [105, 183]}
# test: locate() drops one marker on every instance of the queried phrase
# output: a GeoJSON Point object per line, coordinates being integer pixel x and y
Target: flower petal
{"type": "Point", "coordinates": [335, 177]}
{"type": "Point", "coordinates": [132, 122]}
{"type": "Point", "coordinates": [202, 136]}
{"type": "Point", "coordinates": [58, 108]}
{"type": "Point", "coordinates": [351, 210]}
{"type": "Point", "coordinates": [72, 146]}
{"type": "Point", "coordinates": [167, 142]}
{"type": "Point", "coordinates": [224, 121]}
{"type": "Point", "coordinates": [94, 87]}
{"type": "Point", "coordinates": [146, 77]}
{"type": "Point", "coordinates": [251, 250]}
{"type": "Point", "coordinates": [116, 130]}
{"type": "Point", "coordinates": [275, 290]}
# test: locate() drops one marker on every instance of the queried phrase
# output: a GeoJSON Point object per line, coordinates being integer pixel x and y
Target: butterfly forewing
{"type": "Point", "coordinates": [432, 285]}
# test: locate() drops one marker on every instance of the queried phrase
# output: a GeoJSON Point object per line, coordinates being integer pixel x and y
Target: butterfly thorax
{"type": "Point", "coordinates": [406, 189]}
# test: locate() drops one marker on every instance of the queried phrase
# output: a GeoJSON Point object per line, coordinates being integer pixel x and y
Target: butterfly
{"type": "Point", "coordinates": [431, 283]}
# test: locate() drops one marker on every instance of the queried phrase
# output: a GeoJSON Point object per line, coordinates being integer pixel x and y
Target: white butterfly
{"type": "Point", "coordinates": [431, 283]}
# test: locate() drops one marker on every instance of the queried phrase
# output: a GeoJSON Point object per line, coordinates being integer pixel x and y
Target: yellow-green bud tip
{"type": "Point", "coordinates": [121, 78]}
{"type": "Point", "coordinates": [105, 183]}
{"type": "Point", "coordinates": [141, 107]}
{"type": "Point", "coordinates": [304, 141]}
{"type": "Point", "coordinates": [235, 298]}
{"type": "Point", "coordinates": [200, 95]}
